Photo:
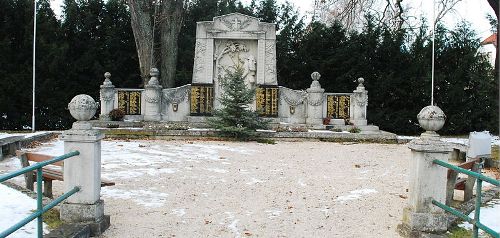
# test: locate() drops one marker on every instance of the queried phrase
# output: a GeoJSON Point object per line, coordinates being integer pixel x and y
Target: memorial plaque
{"type": "Point", "coordinates": [130, 102]}
{"type": "Point", "coordinates": [202, 99]}
{"type": "Point", "coordinates": [266, 100]}
{"type": "Point", "coordinates": [338, 106]}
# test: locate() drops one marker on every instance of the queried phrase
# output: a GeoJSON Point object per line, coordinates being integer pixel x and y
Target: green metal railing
{"type": "Point", "coordinates": [40, 208]}
{"type": "Point", "coordinates": [475, 222]}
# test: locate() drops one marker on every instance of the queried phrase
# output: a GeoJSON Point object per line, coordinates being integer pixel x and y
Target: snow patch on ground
{"type": "Point", "coordinates": [489, 216]}
{"type": "Point", "coordinates": [179, 212]}
{"type": "Point", "coordinates": [356, 194]}
{"type": "Point", "coordinates": [273, 213]}
{"type": "Point", "coordinates": [147, 198]}
{"type": "Point", "coordinates": [14, 207]}
{"type": "Point", "coordinates": [254, 181]}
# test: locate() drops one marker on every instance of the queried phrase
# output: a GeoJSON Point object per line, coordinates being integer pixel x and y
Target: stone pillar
{"type": "Point", "coordinates": [427, 180]}
{"type": "Point", "coordinates": [152, 94]}
{"type": "Point", "coordinates": [84, 170]}
{"type": "Point", "coordinates": [107, 96]}
{"type": "Point", "coordinates": [315, 101]}
{"type": "Point", "coordinates": [359, 103]}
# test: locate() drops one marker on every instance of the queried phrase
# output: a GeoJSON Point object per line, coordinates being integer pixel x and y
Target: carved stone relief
{"type": "Point", "coordinates": [199, 64]}
{"type": "Point", "coordinates": [236, 22]}
{"type": "Point", "coordinates": [292, 97]}
{"type": "Point", "coordinates": [230, 55]}
{"type": "Point", "coordinates": [270, 62]}
{"type": "Point", "coordinates": [176, 95]}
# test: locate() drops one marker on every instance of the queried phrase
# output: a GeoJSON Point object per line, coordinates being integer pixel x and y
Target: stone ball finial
{"type": "Point", "coordinates": [82, 107]}
{"type": "Point", "coordinates": [361, 81]}
{"type": "Point", "coordinates": [315, 76]}
{"type": "Point", "coordinates": [107, 75]}
{"type": "Point", "coordinates": [431, 118]}
{"type": "Point", "coordinates": [154, 73]}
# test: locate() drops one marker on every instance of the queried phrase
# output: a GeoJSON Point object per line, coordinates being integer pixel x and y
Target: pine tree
{"type": "Point", "coordinates": [235, 119]}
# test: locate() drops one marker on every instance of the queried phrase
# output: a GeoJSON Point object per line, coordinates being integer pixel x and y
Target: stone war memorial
{"type": "Point", "coordinates": [231, 41]}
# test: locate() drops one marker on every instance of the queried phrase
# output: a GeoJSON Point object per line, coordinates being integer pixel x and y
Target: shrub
{"type": "Point", "coordinates": [116, 114]}
{"type": "Point", "coordinates": [354, 130]}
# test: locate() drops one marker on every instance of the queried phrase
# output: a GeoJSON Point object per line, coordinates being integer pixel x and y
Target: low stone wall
{"type": "Point", "coordinates": [382, 137]}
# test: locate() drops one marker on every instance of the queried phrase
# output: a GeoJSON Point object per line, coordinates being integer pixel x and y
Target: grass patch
{"type": "Point", "coordinates": [265, 141]}
{"type": "Point", "coordinates": [495, 151]}
{"type": "Point", "coordinates": [459, 232]}
{"type": "Point", "coordinates": [51, 218]}
{"type": "Point", "coordinates": [354, 130]}
{"type": "Point", "coordinates": [368, 141]}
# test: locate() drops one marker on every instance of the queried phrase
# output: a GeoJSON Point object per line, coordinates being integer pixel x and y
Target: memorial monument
{"type": "Point", "coordinates": [237, 41]}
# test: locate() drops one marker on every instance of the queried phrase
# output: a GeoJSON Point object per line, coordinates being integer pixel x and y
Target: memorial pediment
{"type": "Point", "coordinates": [236, 22]}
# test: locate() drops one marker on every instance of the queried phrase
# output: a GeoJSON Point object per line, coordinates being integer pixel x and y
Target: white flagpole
{"type": "Point", "coordinates": [433, 47]}
{"type": "Point", "coordinates": [34, 53]}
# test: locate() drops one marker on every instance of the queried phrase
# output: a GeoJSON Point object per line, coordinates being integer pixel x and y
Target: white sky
{"type": "Point", "coordinates": [473, 11]}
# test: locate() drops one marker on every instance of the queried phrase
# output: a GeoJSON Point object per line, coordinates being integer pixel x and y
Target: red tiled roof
{"type": "Point", "coordinates": [490, 40]}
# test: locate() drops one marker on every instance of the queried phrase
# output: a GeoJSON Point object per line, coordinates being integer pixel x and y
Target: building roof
{"type": "Point", "coordinates": [490, 40]}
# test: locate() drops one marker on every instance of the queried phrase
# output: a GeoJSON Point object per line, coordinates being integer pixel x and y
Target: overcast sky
{"type": "Point", "coordinates": [473, 11]}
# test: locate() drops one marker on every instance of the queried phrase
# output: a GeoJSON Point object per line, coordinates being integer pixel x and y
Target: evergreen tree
{"type": "Point", "coordinates": [235, 119]}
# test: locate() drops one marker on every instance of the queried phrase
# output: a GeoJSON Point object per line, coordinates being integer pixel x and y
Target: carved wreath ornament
{"type": "Point", "coordinates": [107, 95]}
{"type": "Point", "coordinates": [316, 102]}
{"type": "Point", "coordinates": [152, 96]}
{"type": "Point", "coordinates": [292, 97]}
{"type": "Point", "coordinates": [177, 95]}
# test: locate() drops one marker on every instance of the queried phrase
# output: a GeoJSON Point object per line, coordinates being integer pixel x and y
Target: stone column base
{"type": "Point", "coordinates": [415, 223]}
{"type": "Point", "coordinates": [104, 117]}
{"type": "Point", "coordinates": [152, 117]}
{"type": "Point", "coordinates": [314, 121]}
{"type": "Point", "coordinates": [86, 214]}
{"type": "Point", "coordinates": [77, 212]}
{"type": "Point", "coordinates": [359, 122]}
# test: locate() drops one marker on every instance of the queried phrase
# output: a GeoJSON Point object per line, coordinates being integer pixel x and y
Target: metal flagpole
{"type": "Point", "coordinates": [34, 51]}
{"type": "Point", "coordinates": [433, 47]}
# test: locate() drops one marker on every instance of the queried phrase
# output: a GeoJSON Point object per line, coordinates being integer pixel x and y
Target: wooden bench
{"type": "Point", "coordinates": [51, 172]}
{"type": "Point", "coordinates": [465, 184]}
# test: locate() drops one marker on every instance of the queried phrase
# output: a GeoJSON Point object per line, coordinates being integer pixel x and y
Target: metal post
{"type": "Point", "coordinates": [39, 205]}
{"type": "Point", "coordinates": [433, 47]}
{"type": "Point", "coordinates": [34, 53]}
{"type": "Point", "coordinates": [477, 208]}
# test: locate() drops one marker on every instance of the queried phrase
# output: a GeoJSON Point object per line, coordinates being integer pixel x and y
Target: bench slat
{"type": "Point", "coordinates": [48, 173]}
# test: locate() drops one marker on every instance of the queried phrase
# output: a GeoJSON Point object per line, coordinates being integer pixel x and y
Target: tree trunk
{"type": "Point", "coordinates": [170, 25]}
{"type": "Point", "coordinates": [141, 12]}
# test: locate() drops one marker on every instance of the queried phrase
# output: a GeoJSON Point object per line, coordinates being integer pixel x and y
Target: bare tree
{"type": "Point", "coordinates": [140, 12]}
{"type": "Point", "coordinates": [170, 25]}
{"type": "Point", "coordinates": [352, 13]}
{"type": "Point", "coordinates": [145, 22]}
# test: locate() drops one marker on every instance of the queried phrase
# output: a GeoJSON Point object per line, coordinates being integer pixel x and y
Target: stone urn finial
{"type": "Point", "coordinates": [315, 76]}
{"type": "Point", "coordinates": [315, 83]}
{"type": "Point", "coordinates": [431, 119]}
{"type": "Point", "coordinates": [361, 81]}
{"type": "Point", "coordinates": [107, 81]}
{"type": "Point", "coordinates": [82, 107]}
{"type": "Point", "coordinates": [154, 73]}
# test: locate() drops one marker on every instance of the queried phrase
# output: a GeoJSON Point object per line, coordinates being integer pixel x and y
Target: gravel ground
{"type": "Point", "coordinates": [232, 189]}
{"type": "Point", "coordinates": [306, 189]}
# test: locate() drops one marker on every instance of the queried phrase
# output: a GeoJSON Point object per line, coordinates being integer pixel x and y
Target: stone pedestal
{"type": "Point", "coordinates": [84, 170]}
{"type": "Point", "coordinates": [359, 102]}
{"type": "Point", "coordinates": [315, 102]}
{"type": "Point", "coordinates": [152, 94]}
{"type": "Point", "coordinates": [107, 97]}
{"type": "Point", "coordinates": [427, 180]}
